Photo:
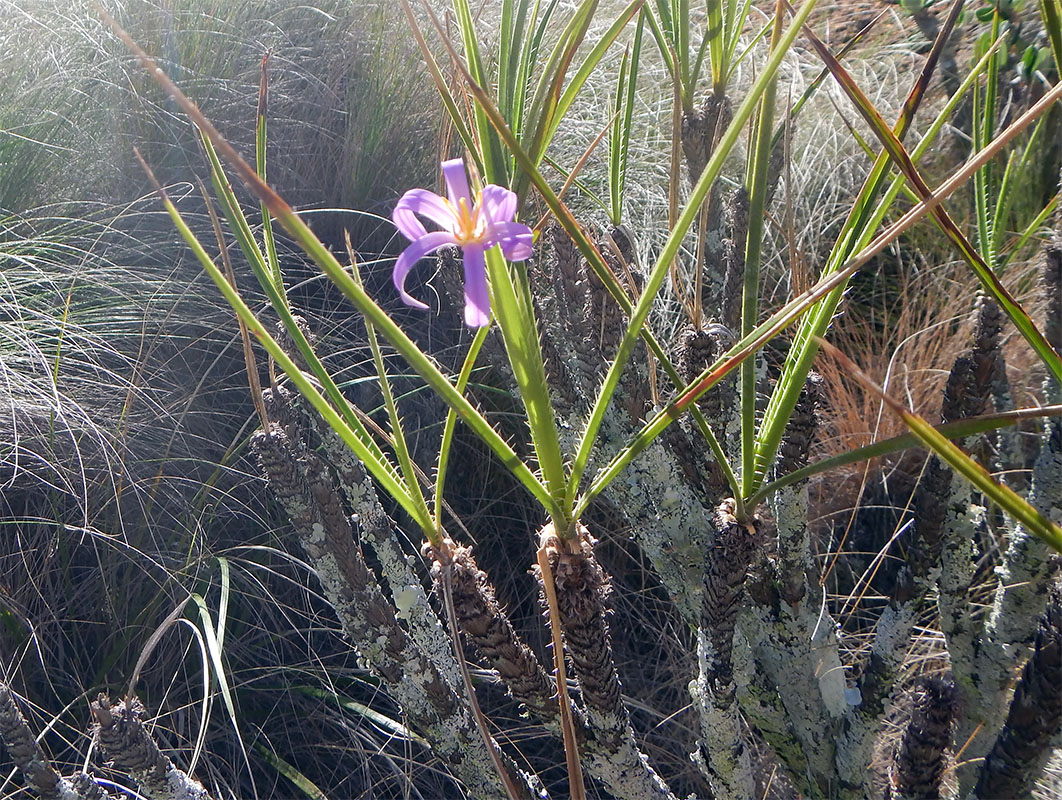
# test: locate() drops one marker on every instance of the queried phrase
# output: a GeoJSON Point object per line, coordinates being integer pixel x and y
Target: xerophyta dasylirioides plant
{"type": "Point", "coordinates": [706, 488]}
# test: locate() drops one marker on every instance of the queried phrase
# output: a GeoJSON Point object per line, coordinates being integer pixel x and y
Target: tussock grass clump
{"type": "Point", "coordinates": [729, 633]}
{"type": "Point", "coordinates": [126, 489]}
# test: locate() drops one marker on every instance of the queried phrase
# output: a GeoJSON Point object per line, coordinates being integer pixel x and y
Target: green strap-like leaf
{"type": "Point", "coordinates": [1003, 496]}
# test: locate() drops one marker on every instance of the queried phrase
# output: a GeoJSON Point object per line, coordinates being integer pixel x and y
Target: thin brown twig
{"type": "Point", "coordinates": [571, 747]}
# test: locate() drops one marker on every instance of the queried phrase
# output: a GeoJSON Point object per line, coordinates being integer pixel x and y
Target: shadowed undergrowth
{"type": "Point", "coordinates": [134, 520]}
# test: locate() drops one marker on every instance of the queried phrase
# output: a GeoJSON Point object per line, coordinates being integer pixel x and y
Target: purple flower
{"type": "Point", "coordinates": [474, 226]}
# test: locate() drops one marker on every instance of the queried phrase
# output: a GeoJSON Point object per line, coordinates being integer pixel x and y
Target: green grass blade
{"type": "Point", "coordinates": [223, 602]}
{"type": "Point", "coordinates": [615, 146]}
{"type": "Point", "coordinates": [451, 418]}
{"type": "Point", "coordinates": [733, 25]}
{"type": "Point", "coordinates": [398, 436]}
{"type": "Point", "coordinates": [260, 139]}
{"type": "Point", "coordinates": [302, 783]}
{"type": "Point", "coordinates": [681, 14]}
{"type": "Point", "coordinates": [997, 227]}
{"type": "Point", "coordinates": [215, 652]}
{"type": "Point", "coordinates": [984, 116]}
{"type": "Point", "coordinates": [514, 52]}
{"type": "Point", "coordinates": [620, 130]}
{"type": "Point", "coordinates": [717, 44]}
{"type": "Point", "coordinates": [385, 723]}
{"type": "Point", "coordinates": [661, 36]}
{"type": "Point", "coordinates": [1030, 230]}
{"type": "Point", "coordinates": [749, 47]}
{"type": "Point", "coordinates": [508, 59]}
{"type": "Point", "coordinates": [529, 61]}
{"type": "Point", "coordinates": [1017, 167]}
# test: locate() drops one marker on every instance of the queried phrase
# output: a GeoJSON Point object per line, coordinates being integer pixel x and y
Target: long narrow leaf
{"type": "Point", "coordinates": [859, 227]}
{"type": "Point", "coordinates": [971, 426]}
{"type": "Point", "coordinates": [591, 62]}
{"type": "Point", "coordinates": [1003, 496]}
{"type": "Point", "coordinates": [260, 141]}
{"type": "Point", "coordinates": [549, 89]}
{"type": "Point", "coordinates": [495, 165]}
{"type": "Point", "coordinates": [511, 301]}
{"type": "Point", "coordinates": [670, 249]}
{"type": "Point", "coordinates": [398, 434]}
{"type": "Point", "coordinates": [902, 160]}
{"type": "Point", "coordinates": [448, 101]}
{"type": "Point", "coordinates": [759, 162]}
{"type": "Point", "coordinates": [597, 262]}
{"type": "Point", "coordinates": [215, 652]}
{"type": "Point", "coordinates": [451, 418]}
{"type": "Point", "coordinates": [327, 262]}
{"type": "Point", "coordinates": [1051, 14]}
{"type": "Point", "coordinates": [381, 469]}
{"type": "Point", "coordinates": [798, 306]}
{"type": "Point", "coordinates": [259, 264]}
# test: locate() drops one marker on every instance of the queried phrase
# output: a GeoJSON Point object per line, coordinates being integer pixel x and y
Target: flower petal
{"type": "Point", "coordinates": [516, 239]}
{"type": "Point", "coordinates": [477, 298]}
{"type": "Point", "coordinates": [427, 204]}
{"type": "Point", "coordinates": [498, 203]}
{"type": "Point", "coordinates": [456, 181]}
{"type": "Point", "coordinates": [420, 247]}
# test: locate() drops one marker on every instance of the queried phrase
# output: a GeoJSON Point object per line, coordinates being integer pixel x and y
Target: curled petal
{"type": "Point", "coordinates": [427, 204]}
{"type": "Point", "coordinates": [477, 298]}
{"type": "Point", "coordinates": [516, 240]}
{"type": "Point", "coordinates": [456, 181]}
{"type": "Point", "coordinates": [498, 203]}
{"type": "Point", "coordinates": [421, 247]}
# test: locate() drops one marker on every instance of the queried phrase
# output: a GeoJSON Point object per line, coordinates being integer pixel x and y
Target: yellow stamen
{"type": "Point", "coordinates": [465, 231]}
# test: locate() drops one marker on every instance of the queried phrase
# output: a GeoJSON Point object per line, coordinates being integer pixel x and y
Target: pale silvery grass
{"type": "Point", "coordinates": [611, 332]}
{"type": "Point", "coordinates": [125, 407]}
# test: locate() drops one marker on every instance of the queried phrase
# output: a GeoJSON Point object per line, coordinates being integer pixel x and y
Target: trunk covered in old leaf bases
{"type": "Point", "coordinates": [771, 671]}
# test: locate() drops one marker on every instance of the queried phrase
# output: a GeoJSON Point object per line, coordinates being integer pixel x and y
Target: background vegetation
{"type": "Point", "coordinates": [128, 485]}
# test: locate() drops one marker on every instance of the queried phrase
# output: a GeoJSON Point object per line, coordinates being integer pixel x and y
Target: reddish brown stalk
{"type": "Point", "coordinates": [571, 747]}
{"type": "Point", "coordinates": [250, 364]}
